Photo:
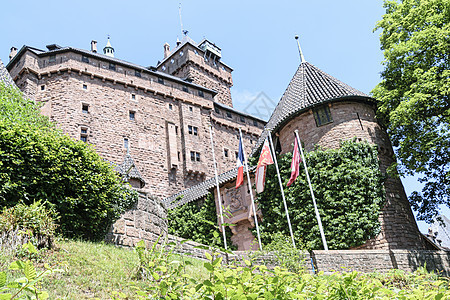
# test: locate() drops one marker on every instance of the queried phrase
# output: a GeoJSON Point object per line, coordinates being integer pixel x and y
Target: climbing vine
{"type": "Point", "coordinates": [197, 221]}
{"type": "Point", "coordinates": [348, 188]}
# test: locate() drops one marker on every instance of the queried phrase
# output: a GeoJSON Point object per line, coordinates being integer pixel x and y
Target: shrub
{"type": "Point", "coordinates": [37, 162]}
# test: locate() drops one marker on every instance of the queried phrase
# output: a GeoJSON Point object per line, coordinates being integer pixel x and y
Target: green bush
{"type": "Point", "coordinates": [348, 188]}
{"type": "Point", "coordinates": [38, 162]}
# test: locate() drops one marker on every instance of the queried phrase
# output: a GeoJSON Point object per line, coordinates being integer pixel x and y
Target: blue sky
{"type": "Point", "coordinates": [256, 37]}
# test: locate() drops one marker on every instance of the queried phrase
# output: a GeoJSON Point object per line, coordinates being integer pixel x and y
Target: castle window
{"type": "Point", "coordinates": [112, 66]}
{"type": "Point", "coordinates": [163, 68]}
{"type": "Point", "coordinates": [172, 60]}
{"type": "Point", "coordinates": [42, 87]}
{"type": "Point", "coordinates": [85, 59]}
{"type": "Point", "coordinates": [229, 115]}
{"type": "Point", "coordinates": [176, 130]}
{"type": "Point", "coordinates": [223, 68]}
{"type": "Point", "coordinates": [160, 80]}
{"type": "Point", "coordinates": [52, 58]}
{"type": "Point", "coordinates": [132, 115]}
{"type": "Point", "coordinates": [133, 97]}
{"type": "Point", "coordinates": [190, 108]}
{"type": "Point", "coordinates": [85, 108]}
{"type": "Point", "coordinates": [242, 119]}
{"type": "Point", "coordinates": [201, 94]}
{"type": "Point", "coordinates": [185, 89]}
{"type": "Point", "coordinates": [137, 73]}
{"type": "Point", "coordinates": [84, 86]}
{"type": "Point", "coordinates": [83, 135]}
{"type": "Point", "coordinates": [181, 53]}
{"type": "Point", "coordinates": [196, 52]}
{"type": "Point", "coordinates": [236, 154]}
{"type": "Point", "coordinates": [170, 106]}
{"type": "Point", "coordinates": [197, 156]}
{"type": "Point", "coordinates": [195, 130]}
{"type": "Point", "coordinates": [190, 129]}
{"type": "Point", "coordinates": [255, 123]}
{"type": "Point", "coordinates": [192, 155]}
{"type": "Point", "coordinates": [179, 156]}
{"type": "Point", "coordinates": [217, 110]}
{"type": "Point", "coordinates": [125, 143]}
{"type": "Point", "coordinates": [322, 115]}
{"type": "Point", "coordinates": [225, 152]}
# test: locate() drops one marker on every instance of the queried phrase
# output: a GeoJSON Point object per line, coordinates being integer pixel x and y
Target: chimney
{"type": "Point", "coordinates": [94, 46]}
{"type": "Point", "coordinates": [12, 53]}
{"type": "Point", "coordinates": [166, 50]}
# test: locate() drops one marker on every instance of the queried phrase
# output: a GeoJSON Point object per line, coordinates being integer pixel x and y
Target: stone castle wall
{"type": "Point", "coordinates": [161, 136]}
{"type": "Point", "coordinates": [357, 120]}
{"type": "Point", "coordinates": [147, 221]}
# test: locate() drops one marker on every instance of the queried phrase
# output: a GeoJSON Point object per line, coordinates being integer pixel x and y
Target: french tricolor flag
{"type": "Point", "coordinates": [240, 165]}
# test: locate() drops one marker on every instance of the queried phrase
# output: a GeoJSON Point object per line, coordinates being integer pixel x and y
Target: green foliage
{"type": "Point", "coordinates": [197, 221]}
{"type": "Point", "coordinates": [24, 287]}
{"type": "Point", "coordinates": [250, 281]}
{"type": "Point", "coordinates": [35, 218]}
{"type": "Point", "coordinates": [348, 188]}
{"type": "Point", "coordinates": [414, 95]}
{"type": "Point", "coordinates": [38, 162]}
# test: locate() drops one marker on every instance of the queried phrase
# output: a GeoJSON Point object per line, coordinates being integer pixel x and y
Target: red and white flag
{"type": "Point", "coordinates": [240, 165]}
{"type": "Point", "coordinates": [295, 164]}
{"type": "Point", "coordinates": [265, 159]}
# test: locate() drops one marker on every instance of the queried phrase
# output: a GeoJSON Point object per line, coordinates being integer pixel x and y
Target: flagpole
{"type": "Point", "coordinates": [324, 241]}
{"type": "Point", "coordinates": [281, 187]}
{"type": "Point", "coordinates": [218, 188]}
{"type": "Point", "coordinates": [250, 190]}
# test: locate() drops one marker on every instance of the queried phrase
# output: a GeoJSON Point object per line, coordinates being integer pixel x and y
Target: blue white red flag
{"type": "Point", "coordinates": [240, 165]}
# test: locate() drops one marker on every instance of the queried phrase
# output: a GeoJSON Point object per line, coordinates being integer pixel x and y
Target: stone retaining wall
{"type": "Point", "coordinates": [147, 221]}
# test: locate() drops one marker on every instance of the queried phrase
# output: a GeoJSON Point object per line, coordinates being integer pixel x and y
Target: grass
{"type": "Point", "coordinates": [92, 270]}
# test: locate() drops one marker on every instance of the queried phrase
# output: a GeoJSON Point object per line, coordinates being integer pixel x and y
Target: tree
{"type": "Point", "coordinates": [414, 95]}
{"type": "Point", "coordinates": [38, 162]}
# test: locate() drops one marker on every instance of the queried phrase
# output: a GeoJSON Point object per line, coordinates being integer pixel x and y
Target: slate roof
{"type": "Point", "coordinates": [4, 75]}
{"type": "Point", "coordinates": [309, 87]}
{"type": "Point", "coordinates": [128, 170]}
{"type": "Point", "coordinates": [200, 190]}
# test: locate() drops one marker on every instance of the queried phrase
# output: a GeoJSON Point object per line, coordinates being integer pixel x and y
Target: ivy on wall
{"type": "Point", "coordinates": [197, 221]}
{"type": "Point", "coordinates": [348, 188]}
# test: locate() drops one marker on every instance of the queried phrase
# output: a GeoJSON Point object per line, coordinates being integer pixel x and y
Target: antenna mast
{"type": "Point", "coordinates": [181, 22]}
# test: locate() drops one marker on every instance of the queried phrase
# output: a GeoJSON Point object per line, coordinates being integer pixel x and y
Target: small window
{"type": "Point", "coordinates": [322, 115]}
{"type": "Point", "coordinates": [83, 130]}
{"type": "Point", "coordinates": [181, 53]}
{"type": "Point", "coordinates": [112, 66]}
{"type": "Point", "coordinates": [132, 115]}
{"type": "Point", "coordinates": [179, 156]}
{"type": "Point", "coordinates": [217, 110]}
{"type": "Point", "coordinates": [160, 80]}
{"type": "Point", "coordinates": [255, 123]}
{"type": "Point", "coordinates": [170, 106]}
{"type": "Point", "coordinates": [163, 68]}
{"type": "Point", "coordinates": [190, 108]}
{"type": "Point", "coordinates": [236, 154]}
{"type": "Point", "coordinates": [133, 97]}
{"type": "Point", "coordinates": [83, 138]}
{"type": "Point", "coordinates": [225, 152]}
{"type": "Point", "coordinates": [197, 156]}
{"type": "Point", "coordinates": [52, 58]}
{"type": "Point", "coordinates": [185, 89]}
{"type": "Point", "coordinates": [85, 108]}
{"type": "Point", "coordinates": [192, 155]}
{"type": "Point", "coordinates": [229, 115]}
{"type": "Point", "coordinates": [176, 130]}
{"type": "Point", "coordinates": [85, 59]}
{"type": "Point", "coordinates": [223, 68]}
{"type": "Point", "coordinates": [195, 131]}
{"type": "Point", "coordinates": [196, 52]}
{"type": "Point", "coordinates": [137, 73]}
{"type": "Point", "coordinates": [242, 119]}
{"type": "Point", "coordinates": [190, 129]}
{"type": "Point", "coordinates": [84, 86]}
{"type": "Point", "coordinates": [125, 143]}
{"type": "Point", "coordinates": [42, 87]}
{"type": "Point", "coordinates": [172, 60]}
{"type": "Point", "coordinates": [201, 94]}
{"type": "Point", "coordinates": [83, 135]}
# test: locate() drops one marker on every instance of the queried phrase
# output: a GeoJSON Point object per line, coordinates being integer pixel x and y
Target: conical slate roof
{"type": "Point", "coordinates": [309, 87]}
{"type": "Point", "coordinates": [4, 75]}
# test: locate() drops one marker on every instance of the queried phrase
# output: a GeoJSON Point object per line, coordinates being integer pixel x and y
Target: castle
{"type": "Point", "coordinates": [153, 123]}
